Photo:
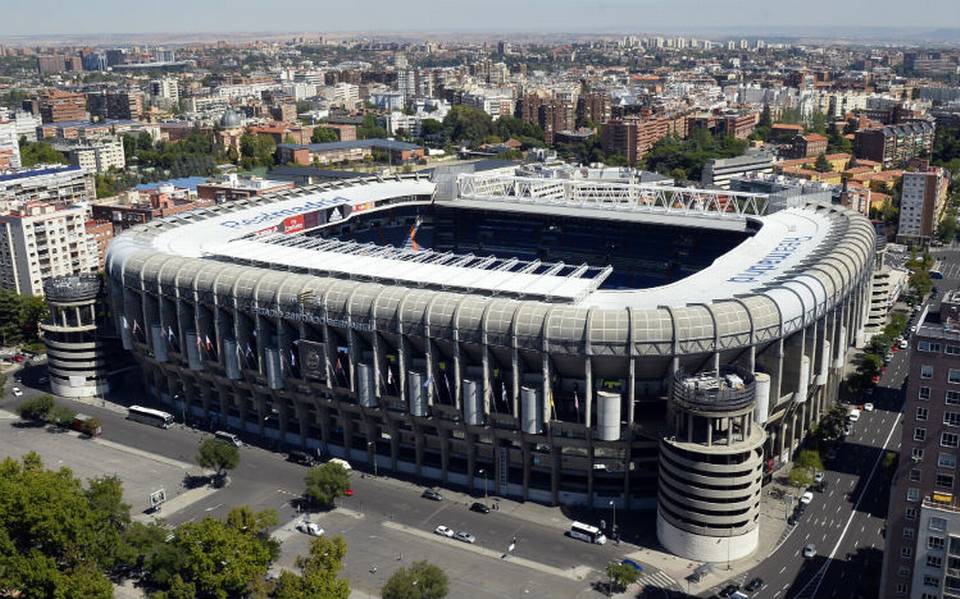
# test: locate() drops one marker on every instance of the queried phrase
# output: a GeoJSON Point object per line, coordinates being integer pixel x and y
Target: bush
{"type": "Point", "coordinates": [60, 415]}
{"type": "Point", "coordinates": [37, 408]}
{"type": "Point", "coordinates": [325, 483]}
{"type": "Point", "coordinates": [90, 426]}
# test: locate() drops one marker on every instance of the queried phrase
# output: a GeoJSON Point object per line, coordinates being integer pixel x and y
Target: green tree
{"type": "Point", "coordinates": [60, 415]}
{"type": "Point", "coordinates": [37, 408]}
{"type": "Point", "coordinates": [322, 135]}
{"type": "Point", "coordinates": [33, 153]}
{"type": "Point", "coordinates": [325, 483]}
{"type": "Point", "coordinates": [256, 150]}
{"type": "Point", "coordinates": [319, 573]}
{"type": "Point", "coordinates": [218, 455]}
{"type": "Point", "coordinates": [800, 477]}
{"type": "Point", "coordinates": [33, 311]}
{"type": "Point", "coordinates": [947, 229]}
{"type": "Point", "coordinates": [822, 165]}
{"type": "Point", "coordinates": [370, 129]}
{"type": "Point", "coordinates": [467, 124]}
{"type": "Point", "coordinates": [422, 580]}
{"type": "Point", "coordinates": [430, 127]}
{"type": "Point", "coordinates": [621, 575]}
{"type": "Point", "coordinates": [10, 316]}
{"type": "Point", "coordinates": [809, 458]}
{"type": "Point", "coordinates": [817, 123]}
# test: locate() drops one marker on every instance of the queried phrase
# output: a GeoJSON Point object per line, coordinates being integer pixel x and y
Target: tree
{"type": "Point", "coordinates": [322, 135]}
{"type": "Point", "coordinates": [430, 127]}
{"type": "Point", "coordinates": [832, 423]}
{"type": "Point", "coordinates": [319, 570]}
{"type": "Point", "coordinates": [218, 455]}
{"type": "Point", "coordinates": [422, 580]}
{"type": "Point", "coordinates": [36, 409]}
{"type": "Point", "coordinates": [60, 415]}
{"type": "Point", "coordinates": [325, 483]}
{"type": "Point", "coordinates": [370, 129]}
{"type": "Point", "coordinates": [809, 458]}
{"type": "Point", "coordinates": [947, 229]}
{"type": "Point", "coordinates": [800, 477]}
{"type": "Point", "coordinates": [213, 558]}
{"type": "Point", "coordinates": [467, 124]}
{"type": "Point", "coordinates": [57, 538]}
{"type": "Point", "coordinates": [256, 150]}
{"type": "Point", "coordinates": [33, 153]}
{"type": "Point", "coordinates": [822, 165]}
{"type": "Point", "coordinates": [621, 575]}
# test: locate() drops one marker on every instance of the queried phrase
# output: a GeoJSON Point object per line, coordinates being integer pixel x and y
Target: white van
{"type": "Point", "coordinates": [854, 415]}
{"type": "Point", "coordinates": [343, 463]}
{"type": "Point", "coordinates": [228, 438]}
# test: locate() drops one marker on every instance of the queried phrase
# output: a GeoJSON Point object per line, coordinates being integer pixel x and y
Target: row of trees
{"type": "Point", "coordinates": [20, 317]}
{"type": "Point", "coordinates": [683, 159]}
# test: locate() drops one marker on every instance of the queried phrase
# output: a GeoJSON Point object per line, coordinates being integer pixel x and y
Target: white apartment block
{"type": "Point", "coordinates": [346, 95]}
{"type": "Point", "coordinates": [48, 184]}
{"type": "Point", "coordinates": [97, 157]}
{"type": "Point", "coordinates": [25, 123]}
{"type": "Point", "coordinates": [38, 241]}
{"type": "Point", "coordinates": [9, 145]}
{"type": "Point", "coordinates": [922, 201]}
{"type": "Point", "coordinates": [167, 88]}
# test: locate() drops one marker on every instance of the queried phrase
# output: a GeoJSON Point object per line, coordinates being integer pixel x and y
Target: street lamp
{"type": "Point", "coordinates": [483, 473]}
{"type": "Point", "coordinates": [613, 529]}
{"type": "Point", "coordinates": [373, 444]}
{"type": "Point", "coordinates": [183, 406]}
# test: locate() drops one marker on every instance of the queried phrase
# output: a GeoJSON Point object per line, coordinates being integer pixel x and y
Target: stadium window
{"type": "Point", "coordinates": [910, 513]}
{"type": "Point", "coordinates": [934, 561]}
{"type": "Point", "coordinates": [915, 475]}
{"type": "Point", "coordinates": [928, 346]}
{"type": "Point", "coordinates": [908, 532]}
{"type": "Point", "coordinates": [937, 524]}
{"type": "Point", "coordinates": [901, 589]}
{"type": "Point", "coordinates": [917, 453]}
{"type": "Point", "coordinates": [951, 418]}
{"type": "Point", "coordinates": [952, 350]}
{"type": "Point", "coordinates": [903, 572]}
{"type": "Point", "coordinates": [931, 581]}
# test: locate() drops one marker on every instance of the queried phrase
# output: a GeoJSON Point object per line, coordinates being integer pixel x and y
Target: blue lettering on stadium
{"type": "Point", "coordinates": [785, 249]}
{"type": "Point", "coordinates": [274, 215]}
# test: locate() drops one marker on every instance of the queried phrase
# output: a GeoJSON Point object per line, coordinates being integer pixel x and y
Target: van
{"type": "Point", "coordinates": [228, 438]}
{"type": "Point", "coordinates": [343, 463]}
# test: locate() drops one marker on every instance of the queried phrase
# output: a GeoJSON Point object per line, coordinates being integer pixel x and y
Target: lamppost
{"type": "Point", "coordinates": [373, 444]}
{"type": "Point", "coordinates": [183, 406]}
{"type": "Point", "coordinates": [483, 473]}
{"type": "Point", "coordinates": [613, 529]}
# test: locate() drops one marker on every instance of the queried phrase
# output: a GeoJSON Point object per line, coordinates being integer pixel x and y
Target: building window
{"type": "Point", "coordinates": [908, 532]}
{"type": "Point", "coordinates": [906, 552]}
{"type": "Point", "coordinates": [952, 350]}
{"type": "Point", "coordinates": [955, 549]}
{"type": "Point", "coordinates": [926, 372]}
{"type": "Point", "coordinates": [910, 513]}
{"type": "Point", "coordinates": [934, 561]}
{"type": "Point", "coordinates": [935, 542]}
{"type": "Point", "coordinates": [921, 413]}
{"type": "Point", "coordinates": [913, 494]}
{"type": "Point", "coordinates": [928, 346]}
{"type": "Point", "coordinates": [901, 589]}
{"type": "Point", "coordinates": [937, 524]}
{"type": "Point", "coordinates": [903, 572]}
{"type": "Point", "coordinates": [945, 481]}
{"type": "Point", "coordinates": [949, 439]}
{"type": "Point", "coordinates": [953, 398]}
{"type": "Point", "coordinates": [953, 376]}
{"type": "Point", "coordinates": [919, 434]}
{"type": "Point", "coordinates": [946, 460]}
{"type": "Point", "coordinates": [931, 581]}
{"type": "Point", "coordinates": [917, 454]}
{"type": "Point", "coordinates": [914, 475]}
{"type": "Point", "coordinates": [951, 418]}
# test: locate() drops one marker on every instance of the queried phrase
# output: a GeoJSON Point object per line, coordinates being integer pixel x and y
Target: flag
{"type": "Point", "coordinates": [339, 367]}
{"type": "Point", "coordinates": [428, 382]}
{"type": "Point", "coordinates": [576, 402]}
{"type": "Point", "coordinates": [249, 351]}
{"type": "Point", "coordinates": [503, 391]}
{"type": "Point", "coordinates": [389, 375]}
{"type": "Point", "coordinates": [123, 321]}
{"type": "Point", "coordinates": [293, 358]}
{"type": "Point", "coordinates": [209, 343]}
{"type": "Point", "coordinates": [136, 325]}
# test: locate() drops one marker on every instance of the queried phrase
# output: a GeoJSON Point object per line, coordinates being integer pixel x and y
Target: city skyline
{"type": "Point", "coordinates": [51, 17]}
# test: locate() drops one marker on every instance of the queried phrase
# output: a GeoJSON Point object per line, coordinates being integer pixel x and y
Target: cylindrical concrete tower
{"type": "Point", "coordinates": [708, 505]}
{"type": "Point", "coordinates": [77, 356]}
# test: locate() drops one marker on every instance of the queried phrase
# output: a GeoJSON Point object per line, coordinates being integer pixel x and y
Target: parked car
{"type": "Point", "coordinates": [466, 537]}
{"type": "Point", "coordinates": [793, 519]}
{"type": "Point", "coordinates": [432, 495]}
{"type": "Point", "coordinates": [480, 508]}
{"type": "Point", "coordinates": [853, 415]}
{"type": "Point", "coordinates": [868, 407]}
{"type": "Point", "coordinates": [904, 344]}
{"type": "Point", "coordinates": [444, 531]}
{"type": "Point", "coordinates": [809, 551]}
{"type": "Point", "coordinates": [17, 392]}
{"type": "Point", "coordinates": [755, 584]}
{"type": "Point", "coordinates": [301, 457]}
{"type": "Point", "coordinates": [310, 528]}
{"type": "Point", "coordinates": [728, 590]}
{"type": "Point", "coordinates": [806, 498]}
{"type": "Point", "coordinates": [818, 477]}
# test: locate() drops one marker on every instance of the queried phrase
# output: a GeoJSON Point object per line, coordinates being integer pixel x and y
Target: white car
{"type": "Point", "coordinates": [904, 344]}
{"type": "Point", "coordinates": [17, 392]}
{"type": "Point", "coordinates": [806, 498]}
{"type": "Point", "coordinates": [818, 477]}
{"type": "Point", "coordinates": [310, 528]}
{"type": "Point", "coordinates": [809, 551]}
{"type": "Point", "coordinates": [466, 537]}
{"type": "Point", "coordinates": [868, 407]}
{"type": "Point", "coordinates": [444, 531]}
{"type": "Point", "coordinates": [854, 415]}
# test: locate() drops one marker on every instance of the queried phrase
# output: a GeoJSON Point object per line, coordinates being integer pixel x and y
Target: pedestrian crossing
{"type": "Point", "coordinates": [659, 580]}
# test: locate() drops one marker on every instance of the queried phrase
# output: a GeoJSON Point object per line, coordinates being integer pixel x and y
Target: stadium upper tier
{"type": "Point", "coordinates": [782, 270]}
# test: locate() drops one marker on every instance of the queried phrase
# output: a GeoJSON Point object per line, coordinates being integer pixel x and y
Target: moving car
{"type": "Point", "coordinates": [818, 477]}
{"type": "Point", "coordinates": [310, 528]}
{"type": "Point", "coordinates": [228, 438]}
{"type": "Point", "coordinates": [444, 531]}
{"type": "Point", "coordinates": [466, 537]}
{"type": "Point", "coordinates": [755, 584]}
{"type": "Point", "coordinates": [432, 495]}
{"type": "Point", "coordinates": [17, 392]}
{"type": "Point", "coordinates": [806, 498]}
{"type": "Point", "coordinates": [478, 507]}
{"type": "Point", "coordinates": [809, 551]}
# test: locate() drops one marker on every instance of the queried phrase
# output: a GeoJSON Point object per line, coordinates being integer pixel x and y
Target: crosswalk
{"type": "Point", "coordinates": [658, 580]}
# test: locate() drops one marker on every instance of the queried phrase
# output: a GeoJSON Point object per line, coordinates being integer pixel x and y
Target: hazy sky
{"type": "Point", "coordinates": [19, 17]}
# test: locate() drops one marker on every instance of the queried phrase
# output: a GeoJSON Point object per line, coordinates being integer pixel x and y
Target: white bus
{"type": "Point", "coordinates": [149, 416]}
{"type": "Point", "coordinates": [585, 532]}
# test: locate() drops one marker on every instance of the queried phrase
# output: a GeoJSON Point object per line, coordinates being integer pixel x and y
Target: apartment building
{"type": "Point", "coordinates": [97, 156]}
{"type": "Point", "coordinates": [40, 240]}
{"type": "Point", "coordinates": [233, 187]}
{"type": "Point", "coordinates": [9, 145]}
{"type": "Point", "coordinates": [166, 88]}
{"type": "Point", "coordinates": [922, 555]}
{"type": "Point", "coordinates": [115, 104]}
{"type": "Point", "coordinates": [634, 136]}
{"type": "Point", "coordinates": [57, 106]}
{"type": "Point", "coordinates": [894, 145]}
{"type": "Point", "coordinates": [922, 202]}
{"type": "Point", "coordinates": [48, 184]}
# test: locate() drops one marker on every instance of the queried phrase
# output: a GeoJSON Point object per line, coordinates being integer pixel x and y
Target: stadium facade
{"type": "Point", "coordinates": [576, 341]}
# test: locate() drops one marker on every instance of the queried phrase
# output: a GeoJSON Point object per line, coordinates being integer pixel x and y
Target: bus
{"type": "Point", "coordinates": [149, 416]}
{"type": "Point", "coordinates": [585, 532]}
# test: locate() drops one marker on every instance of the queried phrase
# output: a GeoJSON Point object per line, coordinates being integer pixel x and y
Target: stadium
{"type": "Point", "coordinates": [561, 337]}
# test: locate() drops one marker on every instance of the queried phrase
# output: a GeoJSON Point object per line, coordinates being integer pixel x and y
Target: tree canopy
{"type": "Point", "coordinates": [319, 570]}
{"type": "Point", "coordinates": [467, 124]}
{"type": "Point", "coordinates": [422, 580]}
{"type": "Point", "coordinates": [325, 483]}
{"type": "Point", "coordinates": [218, 455]}
{"type": "Point", "coordinates": [33, 153]}
{"type": "Point", "coordinates": [685, 158]}
{"type": "Point", "coordinates": [322, 135]}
